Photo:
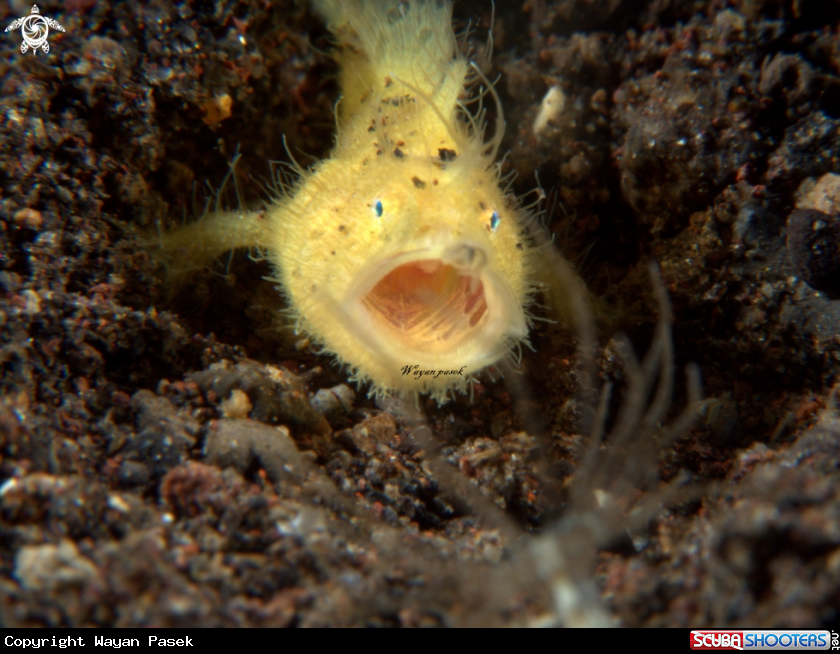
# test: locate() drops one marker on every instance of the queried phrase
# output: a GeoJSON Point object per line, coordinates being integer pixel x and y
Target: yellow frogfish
{"type": "Point", "coordinates": [400, 254]}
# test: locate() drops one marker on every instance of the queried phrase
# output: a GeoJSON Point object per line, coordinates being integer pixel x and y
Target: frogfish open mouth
{"type": "Point", "coordinates": [400, 249]}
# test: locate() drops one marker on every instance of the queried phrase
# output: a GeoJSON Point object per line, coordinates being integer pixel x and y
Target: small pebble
{"type": "Point", "coordinates": [813, 241]}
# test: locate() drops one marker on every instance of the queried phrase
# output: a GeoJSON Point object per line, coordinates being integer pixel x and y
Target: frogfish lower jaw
{"type": "Point", "coordinates": [439, 306]}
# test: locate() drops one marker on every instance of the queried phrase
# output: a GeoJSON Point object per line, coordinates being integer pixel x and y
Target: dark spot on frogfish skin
{"type": "Point", "coordinates": [419, 183]}
{"type": "Point", "coordinates": [813, 241]}
{"type": "Point", "coordinates": [446, 154]}
{"type": "Point", "coordinates": [398, 153]}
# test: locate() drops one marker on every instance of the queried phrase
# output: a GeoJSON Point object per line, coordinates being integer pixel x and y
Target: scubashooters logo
{"type": "Point", "coordinates": [755, 639]}
{"type": "Point", "coordinates": [35, 29]}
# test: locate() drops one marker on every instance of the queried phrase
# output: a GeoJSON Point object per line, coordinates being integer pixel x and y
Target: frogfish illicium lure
{"type": "Point", "coordinates": [401, 250]}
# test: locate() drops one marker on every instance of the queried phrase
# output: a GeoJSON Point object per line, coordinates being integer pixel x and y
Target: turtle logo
{"type": "Point", "coordinates": [35, 29]}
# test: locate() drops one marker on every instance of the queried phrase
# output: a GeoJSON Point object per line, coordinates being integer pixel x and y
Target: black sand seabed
{"type": "Point", "coordinates": [164, 459]}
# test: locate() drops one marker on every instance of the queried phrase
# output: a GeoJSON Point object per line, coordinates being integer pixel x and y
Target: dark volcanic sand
{"type": "Point", "coordinates": [164, 457]}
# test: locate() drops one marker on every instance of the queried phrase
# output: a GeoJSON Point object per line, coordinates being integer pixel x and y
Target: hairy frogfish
{"type": "Point", "coordinates": [401, 251]}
